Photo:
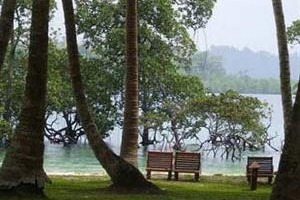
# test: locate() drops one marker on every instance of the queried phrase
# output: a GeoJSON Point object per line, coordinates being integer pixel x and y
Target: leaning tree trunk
{"type": "Point", "coordinates": [287, 180]}
{"type": "Point", "coordinates": [6, 24]}
{"type": "Point", "coordinates": [123, 174]}
{"type": "Point", "coordinates": [23, 162]}
{"type": "Point", "coordinates": [130, 135]}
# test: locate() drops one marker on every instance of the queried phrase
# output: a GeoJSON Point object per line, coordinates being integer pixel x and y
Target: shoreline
{"type": "Point", "coordinates": [153, 173]}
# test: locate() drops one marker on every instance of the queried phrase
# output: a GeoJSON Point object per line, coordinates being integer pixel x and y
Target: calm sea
{"type": "Point", "coordinates": [79, 159]}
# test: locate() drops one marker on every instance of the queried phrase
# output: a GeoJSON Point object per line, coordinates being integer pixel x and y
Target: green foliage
{"type": "Point", "coordinates": [63, 123]}
{"type": "Point", "coordinates": [226, 124]}
{"type": "Point", "coordinates": [163, 40]}
{"type": "Point", "coordinates": [59, 85]}
{"type": "Point", "coordinates": [194, 14]}
{"type": "Point", "coordinates": [5, 128]}
{"type": "Point", "coordinates": [174, 107]}
{"type": "Point", "coordinates": [294, 33]}
{"type": "Point", "coordinates": [234, 123]}
{"type": "Point", "coordinates": [99, 89]}
{"type": "Point", "coordinates": [164, 45]}
{"type": "Point", "coordinates": [244, 84]}
{"type": "Point", "coordinates": [11, 92]}
{"type": "Point", "coordinates": [102, 91]}
{"type": "Point", "coordinates": [163, 36]}
{"type": "Point", "coordinates": [176, 91]}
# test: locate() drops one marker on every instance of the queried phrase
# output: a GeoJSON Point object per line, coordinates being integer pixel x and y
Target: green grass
{"type": "Point", "coordinates": [208, 188]}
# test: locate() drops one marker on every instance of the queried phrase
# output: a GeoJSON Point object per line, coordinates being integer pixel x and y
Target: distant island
{"type": "Point", "coordinates": [246, 71]}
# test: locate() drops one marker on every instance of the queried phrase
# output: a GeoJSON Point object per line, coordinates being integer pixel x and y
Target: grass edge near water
{"type": "Point", "coordinates": [208, 188]}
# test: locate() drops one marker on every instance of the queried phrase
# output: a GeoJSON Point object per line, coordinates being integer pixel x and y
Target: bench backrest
{"type": "Point", "coordinates": [160, 160]}
{"type": "Point", "coordinates": [266, 164]}
{"type": "Point", "coordinates": [187, 161]}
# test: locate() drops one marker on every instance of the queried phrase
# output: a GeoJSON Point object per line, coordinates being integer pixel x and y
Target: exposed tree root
{"type": "Point", "coordinates": [33, 183]}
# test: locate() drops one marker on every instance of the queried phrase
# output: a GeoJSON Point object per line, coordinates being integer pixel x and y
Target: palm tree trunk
{"type": "Point", "coordinates": [23, 162]}
{"type": "Point", "coordinates": [129, 145]}
{"type": "Point", "coordinates": [123, 174]}
{"type": "Point", "coordinates": [283, 53]}
{"type": "Point", "coordinates": [286, 186]}
{"type": "Point", "coordinates": [6, 24]}
{"type": "Point", "coordinates": [287, 181]}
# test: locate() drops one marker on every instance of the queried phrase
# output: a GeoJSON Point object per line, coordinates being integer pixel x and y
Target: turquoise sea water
{"type": "Point", "coordinates": [79, 159]}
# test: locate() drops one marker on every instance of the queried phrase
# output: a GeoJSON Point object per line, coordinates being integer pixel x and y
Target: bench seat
{"type": "Point", "coordinates": [159, 161]}
{"type": "Point", "coordinates": [187, 162]}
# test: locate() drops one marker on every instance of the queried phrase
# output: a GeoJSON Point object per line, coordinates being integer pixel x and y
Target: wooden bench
{"type": "Point", "coordinates": [266, 168]}
{"type": "Point", "coordinates": [187, 162]}
{"type": "Point", "coordinates": [159, 161]}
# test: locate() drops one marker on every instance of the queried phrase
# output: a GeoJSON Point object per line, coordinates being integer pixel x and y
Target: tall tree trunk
{"type": "Point", "coordinates": [129, 145]}
{"type": "Point", "coordinates": [286, 186]}
{"type": "Point", "coordinates": [7, 115]}
{"type": "Point", "coordinates": [23, 162]}
{"type": "Point", "coordinates": [283, 53]}
{"type": "Point", "coordinates": [123, 174]}
{"type": "Point", "coordinates": [287, 181]}
{"type": "Point", "coordinates": [6, 24]}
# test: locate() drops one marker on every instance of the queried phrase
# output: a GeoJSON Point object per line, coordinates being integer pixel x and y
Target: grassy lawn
{"type": "Point", "coordinates": [208, 188]}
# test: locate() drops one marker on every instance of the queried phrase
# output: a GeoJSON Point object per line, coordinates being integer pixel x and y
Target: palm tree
{"type": "Point", "coordinates": [283, 51]}
{"type": "Point", "coordinates": [23, 162]}
{"type": "Point", "coordinates": [123, 174]}
{"type": "Point", "coordinates": [286, 186]}
{"type": "Point", "coordinates": [129, 145]}
{"type": "Point", "coordinates": [6, 24]}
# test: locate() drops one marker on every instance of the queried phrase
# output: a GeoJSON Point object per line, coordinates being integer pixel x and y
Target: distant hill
{"type": "Point", "coordinates": [255, 64]}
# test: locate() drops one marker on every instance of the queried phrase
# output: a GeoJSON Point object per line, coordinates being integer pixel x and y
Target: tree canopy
{"type": "Point", "coordinates": [294, 33]}
{"type": "Point", "coordinates": [165, 90]}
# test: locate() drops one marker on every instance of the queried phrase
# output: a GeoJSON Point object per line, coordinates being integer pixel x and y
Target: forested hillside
{"type": "Point", "coordinates": [223, 68]}
{"type": "Point", "coordinates": [255, 64]}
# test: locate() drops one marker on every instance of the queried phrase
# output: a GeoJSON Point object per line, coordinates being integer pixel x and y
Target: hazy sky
{"type": "Point", "coordinates": [240, 23]}
{"type": "Point", "coordinates": [246, 23]}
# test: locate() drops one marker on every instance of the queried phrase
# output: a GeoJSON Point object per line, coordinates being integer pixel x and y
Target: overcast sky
{"type": "Point", "coordinates": [240, 23]}
{"type": "Point", "coordinates": [246, 23]}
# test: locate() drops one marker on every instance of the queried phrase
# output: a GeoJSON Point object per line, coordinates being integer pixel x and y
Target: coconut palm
{"type": "Point", "coordinates": [23, 162]}
{"type": "Point", "coordinates": [130, 129]}
{"type": "Point", "coordinates": [286, 186]}
{"type": "Point", "coordinates": [123, 174]}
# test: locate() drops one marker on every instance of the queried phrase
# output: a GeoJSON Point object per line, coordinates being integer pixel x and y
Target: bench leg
{"type": "Point", "coordinates": [176, 176]}
{"type": "Point", "coordinates": [270, 180]}
{"type": "Point", "coordinates": [169, 175]}
{"type": "Point", "coordinates": [148, 174]}
{"type": "Point", "coordinates": [196, 176]}
{"type": "Point", "coordinates": [248, 179]}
